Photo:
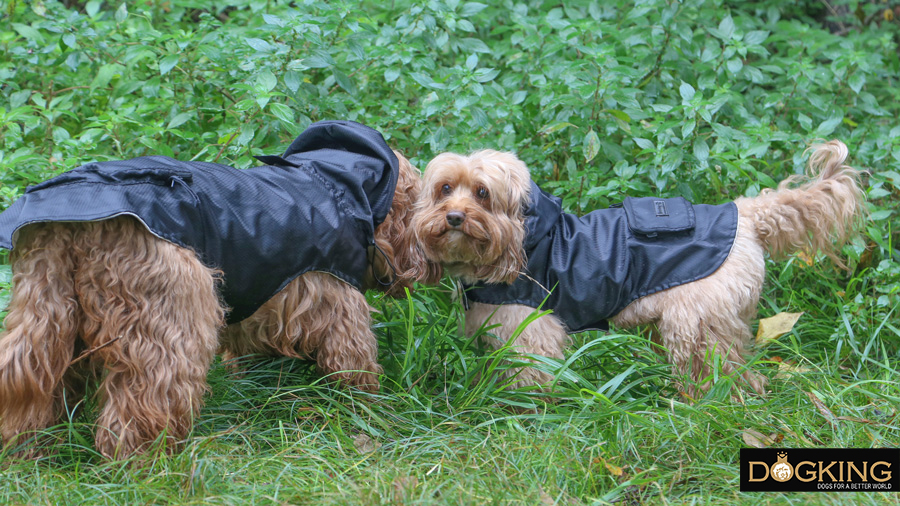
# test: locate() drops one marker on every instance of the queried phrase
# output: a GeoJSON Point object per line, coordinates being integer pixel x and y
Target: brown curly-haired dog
{"type": "Point", "coordinates": [320, 315]}
{"type": "Point", "coordinates": [111, 299]}
{"type": "Point", "coordinates": [470, 219]}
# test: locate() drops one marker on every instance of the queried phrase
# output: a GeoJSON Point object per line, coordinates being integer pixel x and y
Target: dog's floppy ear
{"type": "Point", "coordinates": [511, 183]}
{"type": "Point", "coordinates": [408, 259]}
{"type": "Point", "coordinates": [419, 267]}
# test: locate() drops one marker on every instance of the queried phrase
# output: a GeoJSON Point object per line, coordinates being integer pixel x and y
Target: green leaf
{"type": "Point", "coordinates": [92, 8]}
{"type": "Point", "coordinates": [475, 45]}
{"type": "Point", "coordinates": [644, 143]}
{"type": "Point", "coordinates": [687, 91]}
{"type": "Point", "coordinates": [471, 8]}
{"type": "Point", "coordinates": [391, 74]}
{"type": "Point", "coordinates": [180, 119]}
{"type": "Point", "coordinates": [472, 61]}
{"type": "Point", "coordinates": [726, 27]}
{"type": "Point", "coordinates": [345, 82]}
{"type": "Point", "coordinates": [318, 62]}
{"type": "Point", "coordinates": [734, 65]}
{"type": "Point", "coordinates": [484, 75]}
{"type": "Point", "coordinates": [273, 20]}
{"type": "Point", "coordinates": [701, 150]}
{"type": "Point", "coordinates": [167, 63]}
{"type": "Point", "coordinates": [554, 127]}
{"type": "Point", "coordinates": [590, 146]}
{"type": "Point", "coordinates": [620, 115]}
{"type": "Point", "coordinates": [104, 75]}
{"type": "Point", "coordinates": [282, 112]}
{"type": "Point", "coordinates": [259, 45]}
{"type": "Point", "coordinates": [687, 128]}
{"type": "Point", "coordinates": [266, 80]}
{"type": "Point", "coordinates": [247, 133]}
{"type": "Point", "coordinates": [292, 80]}
{"type": "Point", "coordinates": [857, 81]}
{"type": "Point", "coordinates": [28, 32]}
{"type": "Point", "coordinates": [122, 12]}
{"type": "Point", "coordinates": [756, 37]}
{"type": "Point", "coordinates": [826, 127]}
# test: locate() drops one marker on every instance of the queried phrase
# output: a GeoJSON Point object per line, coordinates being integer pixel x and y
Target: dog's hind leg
{"type": "Point", "coordinates": [41, 327]}
{"type": "Point", "coordinates": [152, 314]}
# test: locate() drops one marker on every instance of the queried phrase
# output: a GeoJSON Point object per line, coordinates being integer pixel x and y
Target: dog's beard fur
{"type": "Point", "coordinates": [488, 190]}
{"type": "Point", "coordinates": [696, 321]}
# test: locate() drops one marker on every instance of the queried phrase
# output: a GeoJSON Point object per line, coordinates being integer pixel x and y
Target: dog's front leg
{"type": "Point", "coordinates": [544, 336]}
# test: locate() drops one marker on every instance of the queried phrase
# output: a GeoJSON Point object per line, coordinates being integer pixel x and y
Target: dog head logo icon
{"type": "Point", "coordinates": [782, 470]}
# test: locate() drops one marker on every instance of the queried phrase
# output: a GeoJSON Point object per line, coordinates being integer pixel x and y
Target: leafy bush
{"type": "Point", "coordinates": [709, 100]}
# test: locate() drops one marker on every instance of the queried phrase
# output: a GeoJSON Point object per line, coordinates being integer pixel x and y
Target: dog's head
{"type": "Point", "coordinates": [469, 216]}
{"type": "Point", "coordinates": [398, 264]}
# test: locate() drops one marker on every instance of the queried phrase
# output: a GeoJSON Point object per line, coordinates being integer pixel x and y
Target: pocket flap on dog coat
{"type": "Point", "coordinates": [650, 216]}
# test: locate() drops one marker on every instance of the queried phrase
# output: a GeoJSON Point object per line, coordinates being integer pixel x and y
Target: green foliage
{"type": "Point", "coordinates": [706, 99]}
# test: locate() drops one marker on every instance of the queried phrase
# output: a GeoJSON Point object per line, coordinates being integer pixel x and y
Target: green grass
{"type": "Point", "coordinates": [443, 430]}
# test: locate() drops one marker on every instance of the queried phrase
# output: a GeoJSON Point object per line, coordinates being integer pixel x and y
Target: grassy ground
{"type": "Point", "coordinates": [443, 430]}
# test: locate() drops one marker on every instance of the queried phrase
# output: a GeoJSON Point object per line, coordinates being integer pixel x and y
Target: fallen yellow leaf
{"type": "Point", "coordinates": [614, 470]}
{"type": "Point", "coordinates": [756, 439]}
{"type": "Point", "coordinates": [775, 327]}
{"type": "Point", "coordinates": [786, 369]}
{"type": "Point", "coordinates": [805, 258]}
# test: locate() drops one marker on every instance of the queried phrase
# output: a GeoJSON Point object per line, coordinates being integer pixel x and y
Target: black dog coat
{"type": "Point", "coordinates": [595, 265]}
{"type": "Point", "coordinates": [313, 209]}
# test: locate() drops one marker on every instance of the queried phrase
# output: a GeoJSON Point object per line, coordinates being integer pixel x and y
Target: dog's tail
{"type": "Point", "coordinates": [820, 214]}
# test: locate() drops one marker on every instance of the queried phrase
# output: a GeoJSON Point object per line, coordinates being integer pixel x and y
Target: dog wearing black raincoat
{"type": "Point", "coordinates": [695, 272]}
{"type": "Point", "coordinates": [128, 271]}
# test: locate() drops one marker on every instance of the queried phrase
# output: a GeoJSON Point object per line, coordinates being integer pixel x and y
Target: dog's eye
{"type": "Point", "coordinates": [446, 189]}
{"type": "Point", "coordinates": [482, 193]}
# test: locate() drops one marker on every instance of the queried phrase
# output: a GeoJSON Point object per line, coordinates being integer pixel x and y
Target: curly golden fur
{"type": "Point", "coordinates": [697, 321]}
{"type": "Point", "coordinates": [115, 289]}
{"type": "Point", "coordinates": [109, 299]}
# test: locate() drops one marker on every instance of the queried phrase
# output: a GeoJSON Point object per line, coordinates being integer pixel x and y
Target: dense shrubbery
{"type": "Point", "coordinates": [709, 100]}
{"type": "Point", "coordinates": [704, 99]}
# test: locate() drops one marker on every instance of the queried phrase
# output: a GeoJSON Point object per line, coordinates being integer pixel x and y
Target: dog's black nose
{"type": "Point", "coordinates": [455, 218]}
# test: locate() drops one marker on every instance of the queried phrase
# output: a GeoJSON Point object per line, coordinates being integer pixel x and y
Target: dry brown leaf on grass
{"type": "Point", "coordinates": [403, 486]}
{"type": "Point", "coordinates": [755, 438]}
{"type": "Point", "coordinates": [776, 326]}
{"type": "Point", "coordinates": [365, 444]}
{"type": "Point", "coordinates": [823, 410]}
{"type": "Point", "coordinates": [545, 497]}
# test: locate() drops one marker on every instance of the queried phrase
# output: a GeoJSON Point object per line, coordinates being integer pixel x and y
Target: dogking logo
{"type": "Point", "coordinates": [781, 470]}
{"type": "Point", "coordinates": [819, 469]}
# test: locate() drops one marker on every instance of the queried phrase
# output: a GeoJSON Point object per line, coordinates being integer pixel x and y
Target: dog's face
{"type": "Point", "coordinates": [468, 217]}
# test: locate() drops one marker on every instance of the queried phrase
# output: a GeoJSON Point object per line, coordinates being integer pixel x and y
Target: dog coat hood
{"type": "Point", "coordinates": [589, 268]}
{"type": "Point", "coordinates": [315, 208]}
